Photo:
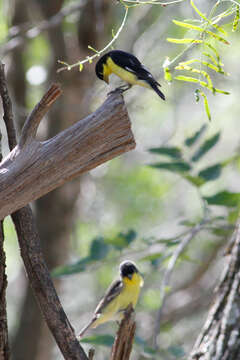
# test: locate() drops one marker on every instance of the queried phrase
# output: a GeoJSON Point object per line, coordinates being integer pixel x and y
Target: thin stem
{"type": "Point", "coordinates": [98, 53]}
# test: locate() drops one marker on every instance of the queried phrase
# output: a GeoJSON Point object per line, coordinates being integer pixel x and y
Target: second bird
{"type": "Point", "coordinates": [128, 68]}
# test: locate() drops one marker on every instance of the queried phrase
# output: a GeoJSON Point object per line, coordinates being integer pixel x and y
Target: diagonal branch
{"type": "Point", "coordinates": [34, 168]}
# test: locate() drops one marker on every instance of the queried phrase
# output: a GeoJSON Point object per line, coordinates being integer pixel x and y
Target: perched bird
{"type": "Point", "coordinates": [119, 295]}
{"type": "Point", "coordinates": [128, 68]}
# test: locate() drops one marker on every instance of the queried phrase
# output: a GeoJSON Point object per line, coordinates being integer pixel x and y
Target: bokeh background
{"type": "Point", "coordinates": [126, 208]}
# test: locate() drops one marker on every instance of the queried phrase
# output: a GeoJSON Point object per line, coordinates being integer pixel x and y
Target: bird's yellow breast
{"type": "Point", "coordinates": [128, 295]}
{"type": "Point", "coordinates": [110, 67]}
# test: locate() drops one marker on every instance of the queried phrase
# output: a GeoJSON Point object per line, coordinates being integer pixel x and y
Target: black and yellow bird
{"type": "Point", "coordinates": [119, 295]}
{"type": "Point", "coordinates": [128, 68]}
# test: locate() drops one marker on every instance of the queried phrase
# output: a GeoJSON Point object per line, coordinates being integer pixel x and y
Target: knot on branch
{"type": "Point", "coordinates": [123, 343]}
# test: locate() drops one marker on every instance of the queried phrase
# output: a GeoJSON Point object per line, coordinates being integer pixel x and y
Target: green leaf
{"type": "Point", "coordinates": [122, 240]}
{"type": "Point", "coordinates": [195, 137]}
{"type": "Point", "coordinates": [70, 269]}
{"type": "Point", "coordinates": [195, 180]}
{"type": "Point", "coordinates": [99, 249]}
{"type": "Point", "coordinates": [178, 166]}
{"type": "Point", "coordinates": [219, 28]}
{"type": "Point", "coordinates": [206, 146]}
{"type": "Point", "coordinates": [184, 41]}
{"type": "Point", "coordinates": [205, 104]}
{"type": "Point", "coordinates": [167, 74]}
{"type": "Point", "coordinates": [153, 257]}
{"type": "Point", "coordinates": [198, 71]}
{"type": "Point", "coordinates": [236, 19]}
{"type": "Point", "coordinates": [211, 173]}
{"type": "Point", "coordinates": [173, 152]}
{"type": "Point", "coordinates": [224, 198]}
{"type": "Point", "coordinates": [217, 37]}
{"type": "Point", "coordinates": [188, 26]}
{"type": "Point", "coordinates": [105, 340]}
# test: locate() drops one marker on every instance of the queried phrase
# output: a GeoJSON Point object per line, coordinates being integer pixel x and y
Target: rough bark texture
{"type": "Point", "coordinates": [220, 337]}
{"type": "Point", "coordinates": [36, 168]}
{"type": "Point", "coordinates": [123, 343]}
{"type": "Point", "coordinates": [43, 288]}
{"type": "Point", "coordinates": [4, 347]}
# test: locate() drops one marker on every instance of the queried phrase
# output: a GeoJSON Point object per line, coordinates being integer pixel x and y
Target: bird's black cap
{"type": "Point", "coordinates": [127, 268]}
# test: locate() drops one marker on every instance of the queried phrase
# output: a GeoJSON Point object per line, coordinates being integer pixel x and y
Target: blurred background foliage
{"type": "Point", "coordinates": [169, 205]}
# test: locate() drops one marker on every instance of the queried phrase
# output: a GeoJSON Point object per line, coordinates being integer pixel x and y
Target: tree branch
{"type": "Point", "coordinates": [220, 336]}
{"type": "Point", "coordinates": [35, 265]}
{"type": "Point", "coordinates": [123, 343]}
{"type": "Point", "coordinates": [35, 168]}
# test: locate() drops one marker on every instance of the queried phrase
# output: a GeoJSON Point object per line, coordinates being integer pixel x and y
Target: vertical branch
{"type": "Point", "coordinates": [4, 346]}
{"type": "Point", "coordinates": [123, 343]}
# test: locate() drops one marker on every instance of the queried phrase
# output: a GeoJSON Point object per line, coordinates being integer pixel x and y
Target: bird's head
{"type": "Point", "coordinates": [128, 269]}
{"type": "Point", "coordinates": [101, 68]}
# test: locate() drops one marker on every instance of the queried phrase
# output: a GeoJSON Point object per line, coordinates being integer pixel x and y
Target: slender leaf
{"type": "Point", "coordinates": [217, 37]}
{"type": "Point", "coordinates": [99, 249]}
{"type": "Point", "coordinates": [195, 180]}
{"type": "Point", "coordinates": [236, 19]}
{"type": "Point", "coordinates": [224, 198]}
{"type": "Point", "coordinates": [205, 104]}
{"type": "Point", "coordinates": [205, 63]}
{"type": "Point", "coordinates": [219, 28]}
{"type": "Point", "coordinates": [71, 269]}
{"type": "Point", "coordinates": [211, 173]}
{"type": "Point", "coordinates": [198, 71]}
{"type": "Point", "coordinates": [206, 146]}
{"type": "Point", "coordinates": [178, 167]}
{"type": "Point", "coordinates": [105, 340]}
{"type": "Point", "coordinates": [188, 26]}
{"type": "Point", "coordinates": [184, 41]}
{"type": "Point", "coordinates": [173, 152]}
{"type": "Point", "coordinates": [195, 137]}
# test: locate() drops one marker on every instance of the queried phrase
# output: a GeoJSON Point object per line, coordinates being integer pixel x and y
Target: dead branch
{"type": "Point", "coordinates": [34, 168]}
{"type": "Point", "coordinates": [220, 336]}
{"type": "Point", "coordinates": [35, 265]}
{"type": "Point", "coordinates": [123, 343]}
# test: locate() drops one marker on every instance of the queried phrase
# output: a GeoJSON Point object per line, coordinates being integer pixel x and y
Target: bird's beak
{"type": "Point", "coordinates": [130, 276]}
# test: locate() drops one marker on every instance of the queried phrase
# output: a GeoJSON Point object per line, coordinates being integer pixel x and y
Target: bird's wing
{"type": "Point", "coordinates": [129, 62]}
{"type": "Point", "coordinates": [114, 289]}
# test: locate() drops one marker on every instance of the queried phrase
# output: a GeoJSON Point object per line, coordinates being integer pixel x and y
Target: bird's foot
{"type": "Point", "coordinates": [120, 89]}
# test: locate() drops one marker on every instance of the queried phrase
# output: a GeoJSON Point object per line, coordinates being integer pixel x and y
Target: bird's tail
{"type": "Point", "coordinates": [155, 85]}
{"type": "Point", "coordinates": [88, 326]}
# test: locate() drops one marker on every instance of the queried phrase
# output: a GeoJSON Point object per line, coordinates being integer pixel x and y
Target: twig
{"type": "Point", "coordinates": [31, 125]}
{"type": "Point", "coordinates": [123, 343]}
{"type": "Point", "coordinates": [168, 272]}
{"type": "Point", "coordinates": [7, 108]}
{"type": "Point", "coordinates": [21, 35]}
{"type": "Point", "coordinates": [91, 354]}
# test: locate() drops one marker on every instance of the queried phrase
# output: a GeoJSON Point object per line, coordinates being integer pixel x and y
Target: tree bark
{"type": "Point", "coordinates": [220, 336]}
{"type": "Point", "coordinates": [34, 168]}
{"type": "Point", "coordinates": [123, 343]}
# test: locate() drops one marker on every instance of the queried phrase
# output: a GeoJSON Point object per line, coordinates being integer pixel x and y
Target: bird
{"type": "Point", "coordinates": [128, 68]}
{"type": "Point", "coordinates": [120, 294]}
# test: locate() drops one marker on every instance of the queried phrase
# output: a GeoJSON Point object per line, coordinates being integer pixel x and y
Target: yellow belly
{"type": "Point", "coordinates": [129, 295]}
{"type": "Point", "coordinates": [125, 75]}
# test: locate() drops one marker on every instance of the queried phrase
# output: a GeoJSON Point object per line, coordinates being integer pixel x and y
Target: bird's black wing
{"type": "Point", "coordinates": [126, 61]}
{"type": "Point", "coordinates": [114, 289]}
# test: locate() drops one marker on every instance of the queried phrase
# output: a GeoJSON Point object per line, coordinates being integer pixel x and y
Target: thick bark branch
{"type": "Point", "coordinates": [42, 285]}
{"type": "Point", "coordinates": [123, 343]}
{"type": "Point", "coordinates": [220, 337]}
{"type": "Point", "coordinates": [35, 168]}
